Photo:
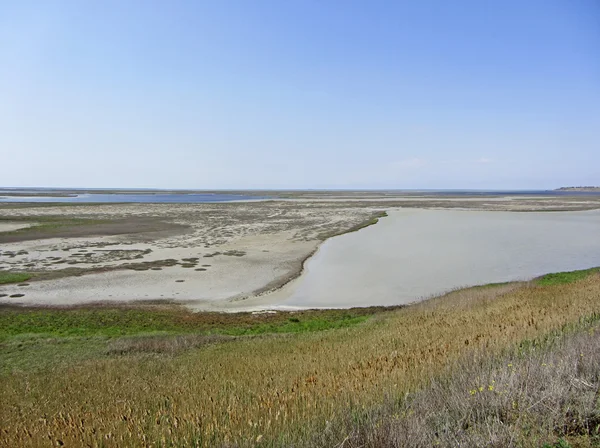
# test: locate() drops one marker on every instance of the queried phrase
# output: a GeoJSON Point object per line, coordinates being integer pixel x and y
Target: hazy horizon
{"type": "Point", "coordinates": [300, 95]}
{"type": "Point", "coordinates": [211, 190]}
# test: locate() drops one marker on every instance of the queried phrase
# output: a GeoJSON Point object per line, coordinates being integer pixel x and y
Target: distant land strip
{"type": "Point", "coordinates": [589, 188]}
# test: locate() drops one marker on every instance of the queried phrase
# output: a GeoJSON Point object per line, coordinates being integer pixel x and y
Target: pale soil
{"type": "Point", "coordinates": [231, 251]}
{"type": "Point", "coordinates": [228, 252]}
{"type": "Point", "coordinates": [12, 226]}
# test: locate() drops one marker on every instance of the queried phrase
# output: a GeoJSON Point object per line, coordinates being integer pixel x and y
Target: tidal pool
{"type": "Point", "coordinates": [413, 254]}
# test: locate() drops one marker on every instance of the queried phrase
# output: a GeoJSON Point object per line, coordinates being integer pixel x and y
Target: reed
{"type": "Point", "coordinates": [279, 389]}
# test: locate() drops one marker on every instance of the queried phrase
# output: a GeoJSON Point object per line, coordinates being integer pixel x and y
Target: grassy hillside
{"type": "Point", "coordinates": [371, 381]}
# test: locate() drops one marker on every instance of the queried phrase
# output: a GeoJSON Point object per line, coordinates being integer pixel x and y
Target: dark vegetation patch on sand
{"type": "Point", "coordinates": [371, 221]}
{"type": "Point", "coordinates": [7, 277]}
{"type": "Point", "coordinates": [61, 227]}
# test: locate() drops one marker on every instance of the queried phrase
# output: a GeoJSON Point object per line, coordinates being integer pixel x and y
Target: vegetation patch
{"type": "Point", "coordinates": [544, 394]}
{"type": "Point", "coordinates": [14, 277]}
{"type": "Point", "coordinates": [74, 271]}
{"type": "Point", "coordinates": [160, 344]}
{"type": "Point", "coordinates": [562, 278]}
{"type": "Point", "coordinates": [369, 222]}
{"type": "Point", "coordinates": [55, 226]}
{"type": "Point", "coordinates": [113, 321]}
{"type": "Point", "coordinates": [234, 253]}
{"type": "Point", "coordinates": [507, 365]}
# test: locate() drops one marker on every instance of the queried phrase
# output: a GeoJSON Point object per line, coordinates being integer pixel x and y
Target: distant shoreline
{"type": "Point", "coordinates": [74, 195]}
{"type": "Point", "coordinates": [578, 189]}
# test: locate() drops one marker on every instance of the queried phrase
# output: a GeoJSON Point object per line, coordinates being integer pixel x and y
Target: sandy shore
{"type": "Point", "coordinates": [265, 260]}
{"type": "Point", "coordinates": [220, 256]}
{"type": "Point", "coordinates": [228, 251]}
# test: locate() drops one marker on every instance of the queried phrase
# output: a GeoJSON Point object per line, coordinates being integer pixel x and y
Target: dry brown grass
{"type": "Point", "coordinates": [279, 390]}
{"type": "Point", "coordinates": [534, 396]}
{"type": "Point", "coordinates": [163, 344]}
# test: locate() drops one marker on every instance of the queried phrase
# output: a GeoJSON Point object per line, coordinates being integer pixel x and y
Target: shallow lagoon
{"type": "Point", "coordinates": [153, 198]}
{"type": "Point", "coordinates": [413, 254]}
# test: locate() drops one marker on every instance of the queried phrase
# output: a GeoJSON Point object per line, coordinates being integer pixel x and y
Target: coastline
{"type": "Point", "coordinates": [545, 279]}
{"type": "Point", "coordinates": [259, 263]}
{"type": "Point", "coordinates": [266, 301]}
{"type": "Point", "coordinates": [278, 284]}
{"type": "Point", "coordinates": [231, 255]}
{"type": "Point", "coordinates": [394, 263]}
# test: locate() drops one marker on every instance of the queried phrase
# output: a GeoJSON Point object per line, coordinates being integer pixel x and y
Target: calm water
{"type": "Point", "coordinates": [414, 254]}
{"type": "Point", "coordinates": [165, 198]}
{"type": "Point", "coordinates": [172, 197]}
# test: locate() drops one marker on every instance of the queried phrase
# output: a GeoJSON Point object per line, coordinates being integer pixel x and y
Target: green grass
{"type": "Point", "coordinates": [562, 278]}
{"type": "Point", "coordinates": [127, 321]}
{"type": "Point", "coordinates": [34, 353]}
{"type": "Point", "coordinates": [562, 443]}
{"type": "Point", "coordinates": [36, 339]}
{"type": "Point", "coordinates": [13, 277]}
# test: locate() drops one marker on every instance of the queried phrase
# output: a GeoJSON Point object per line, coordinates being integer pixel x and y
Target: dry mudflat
{"type": "Point", "coordinates": [209, 256]}
{"type": "Point", "coordinates": [187, 252]}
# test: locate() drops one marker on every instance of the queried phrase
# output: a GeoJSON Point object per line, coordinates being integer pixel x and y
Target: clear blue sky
{"type": "Point", "coordinates": [300, 94]}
